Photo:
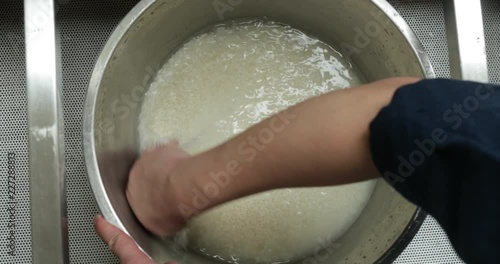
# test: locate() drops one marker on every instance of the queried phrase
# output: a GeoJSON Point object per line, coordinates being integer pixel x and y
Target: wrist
{"type": "Point", "coordinates": [221, 175]}
{"type": "Point", "coordinates": [176, 191]}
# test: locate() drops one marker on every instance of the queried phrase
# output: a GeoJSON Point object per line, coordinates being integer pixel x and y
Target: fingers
{"type": "Point", "coordinates": [120, 243]}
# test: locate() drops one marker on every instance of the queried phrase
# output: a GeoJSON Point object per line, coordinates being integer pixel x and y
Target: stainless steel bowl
{"type": "Point", "coordinates": [372, 33]}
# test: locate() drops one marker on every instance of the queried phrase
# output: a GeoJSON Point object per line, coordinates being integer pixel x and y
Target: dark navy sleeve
{"type": "Point", "coordinates": [438, 144]}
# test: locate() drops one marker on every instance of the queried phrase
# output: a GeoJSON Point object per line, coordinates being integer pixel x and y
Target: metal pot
{"type": "Point", "coordinates": [371, 33]}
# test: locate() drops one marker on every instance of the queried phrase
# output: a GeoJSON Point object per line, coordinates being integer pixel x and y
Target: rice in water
{"type": "Point", "coordinates": [224, 81]}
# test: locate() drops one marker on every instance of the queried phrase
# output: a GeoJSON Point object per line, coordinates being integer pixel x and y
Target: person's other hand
{"type": "Point", "coordinates": [120, 243]}
{"type": "Point", "coordinates": [150, 190]}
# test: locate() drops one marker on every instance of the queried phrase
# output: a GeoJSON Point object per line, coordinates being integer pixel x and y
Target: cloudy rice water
{"type": "Point", "coordinates": [220, 83]}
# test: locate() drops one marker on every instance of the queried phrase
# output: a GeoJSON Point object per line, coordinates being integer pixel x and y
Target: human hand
{"type": "Point", "coordinates": [120, 243]}
{"type": "Point", "coordinates": [151, 193]}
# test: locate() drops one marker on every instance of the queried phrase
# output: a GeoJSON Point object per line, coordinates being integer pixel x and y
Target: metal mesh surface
{"type": "Point", "coordinates": [85, 26]}
{"type": "Point", "coordinates": [15, 232]}
{"type": "Point", "coordinates": [426, 18]}
{"type": "Point", "coordinates": [491, 11]}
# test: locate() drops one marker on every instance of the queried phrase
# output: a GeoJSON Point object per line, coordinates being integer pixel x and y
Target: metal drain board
{"type": "Point", "coordinates": [15, 240]}
{"type": "Point", "coordinates": [85, 27]}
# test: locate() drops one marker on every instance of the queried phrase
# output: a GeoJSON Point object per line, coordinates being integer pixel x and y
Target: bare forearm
{"type": "Point", "coordinates": [322, 141]}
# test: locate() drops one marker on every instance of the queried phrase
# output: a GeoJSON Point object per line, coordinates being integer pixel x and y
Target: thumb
{"type": "Point", "coordinates": [120, 243]}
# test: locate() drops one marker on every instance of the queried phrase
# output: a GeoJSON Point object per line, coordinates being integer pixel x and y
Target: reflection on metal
{"type": "Point", "coordinates": [465, 32]}
{"type": "Point", "coordinates": [46, 150]}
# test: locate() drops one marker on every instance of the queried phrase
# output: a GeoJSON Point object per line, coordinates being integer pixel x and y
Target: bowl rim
{"type": "Point", "coordinates": [88, 135]}
{"type": "Point", "coordinates": [88, 122]}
